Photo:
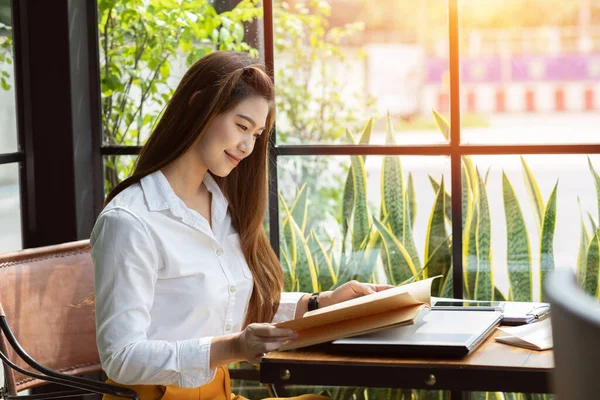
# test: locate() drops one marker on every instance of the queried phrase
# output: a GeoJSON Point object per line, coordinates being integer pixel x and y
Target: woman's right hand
{"type": "Point", "coordinates": [260, 338]}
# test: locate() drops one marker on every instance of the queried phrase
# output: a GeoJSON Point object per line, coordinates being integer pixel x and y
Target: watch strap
{"type": "Point", "coordinates": [313, 301]}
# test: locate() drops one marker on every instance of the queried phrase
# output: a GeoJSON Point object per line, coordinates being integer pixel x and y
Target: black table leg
{"type": "Point", "coordinates": [459, 395]}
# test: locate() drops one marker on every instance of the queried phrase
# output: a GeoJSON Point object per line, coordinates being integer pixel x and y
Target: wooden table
{"type": "Point", "coordinates": [493, 367]}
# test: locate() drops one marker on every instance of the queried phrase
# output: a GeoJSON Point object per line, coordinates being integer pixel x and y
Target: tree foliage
{"type": "Point", "coordinates": [140, 41]}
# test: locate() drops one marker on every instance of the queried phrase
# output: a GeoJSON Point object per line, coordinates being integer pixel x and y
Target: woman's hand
{"type": "Point", "coordinates": [349, 290]}
{"type": "Point", "coordinates": [258, 339]}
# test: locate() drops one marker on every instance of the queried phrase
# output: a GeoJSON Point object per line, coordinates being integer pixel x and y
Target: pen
{"type": "Point", "coordinates": [540, 312]}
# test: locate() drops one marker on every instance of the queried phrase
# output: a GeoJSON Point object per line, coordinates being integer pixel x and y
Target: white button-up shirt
{"type": "Point", "coordinates": [166, 283]}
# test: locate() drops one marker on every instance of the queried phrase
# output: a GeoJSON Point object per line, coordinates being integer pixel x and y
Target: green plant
{"type": "Point", "coordinates": [478, 273]}
{"type": "Point", "coordinates": [6, 55]}
{"type": "Point", "coordinates": [385, 241]}
{"type": "Point", "coordinates": [139, 43]}
{"type": "Point", "coordinates": [477, 255]}
{"type": "Point", "coordinates": [367, 242]}
{"type": "Point", "coordinates": [588, 259]}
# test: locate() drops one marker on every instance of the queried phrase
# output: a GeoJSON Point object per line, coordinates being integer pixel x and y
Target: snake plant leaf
{"type": "Point", "coordinates": [325, 270]}
{"type": "Point", "coordinates": [596, 183]}
{"type": "Point", "coordinates": [409, 243]}
{"type": "Point", "coordinates": [410, 210]}
{"type": "Point", "coordinates": [436, 235]}
{"type": "Point", "coordinates": [472, 172]}
{"type": "Point", "coordinates": [592, 222]}
{"type": "Point", "coordinates": [335, 264]}
{"type": "Point", "coordinates": [365, 135]}
{"type": "Point", "coordinates": [313, 247]}
{"type": "Point", "coordinates": [466, 192]}
{"type": "Point", "coordinates": [448, 200]}
{"type": "Point", "coordinates": [305, 270]}
{"type": "Point", "coordinates": [518, 251]}
{"type": "Point", "coordinates": [362, 218]}
{"type": "Point", "coordinates": [487, 175]}
{"type": "Point", "coordinates": [398, 265]}
{"type": "Point", "coordinates": [348, 196]}
{"type": "Point", "coordinates": [392, 188]}
{"type": "Point", "coordinates": [300, 208]}
{"type": "Point", "coordinates": [533, 191]}
{"type": "Point", "coordinates": [446, 244]}
{"type": "Point", "coordinates": [447, 285]}
{"type": "Point", "coordinates": [347, 200]}
{"type": "Point", "coordinates": [288, 272]}
{"type": "Point", "coordinates": [590, 284]}
{"type": "Point", "coordinates": [411, 202]}
{"type": "Point", "coordinates": [498, 295]}
{"type": "Point", "coordinates": [288, 231]}
{"type": "Point", "coordinates": [360, 263]}
{"type": "Point", "coordinates": [301, 259]}
{"type": "Point", "coordinates": [469, 225]}
{"type": "Point", "coordinates": [469, 251]}
{"type": "Point", "coordinates": [372, 252]}
{"type": "Point", "coordinates": [547, 240]}
{"type": "Point", "coordinates": [584, 242]}
{"type": "Point", "coordinates": [442, 125]}
{"type": "Point", "coordinates": [484, 283]}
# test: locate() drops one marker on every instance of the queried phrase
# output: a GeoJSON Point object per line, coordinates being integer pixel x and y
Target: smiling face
{"type": "Point", "coordinates": [231, 136]}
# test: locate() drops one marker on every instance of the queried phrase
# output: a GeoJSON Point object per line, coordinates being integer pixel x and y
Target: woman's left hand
{"type": "Point", "coordinates": [349, 290]}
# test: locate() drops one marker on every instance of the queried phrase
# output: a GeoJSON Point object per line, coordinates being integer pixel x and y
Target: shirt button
{"type": "Point", "coordinates": [219, 252]}
{"type": "Point", "coordinates": [232, 289]}
{"type": "Point", "coordinates": [227, 327]}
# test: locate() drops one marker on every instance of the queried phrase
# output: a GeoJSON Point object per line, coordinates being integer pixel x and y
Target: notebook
{"type": "Point", "coordinates": [435, 333]}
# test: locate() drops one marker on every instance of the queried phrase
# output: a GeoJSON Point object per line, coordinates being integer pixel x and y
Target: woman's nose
{"type": "Point", "coordinates": [246, 146]}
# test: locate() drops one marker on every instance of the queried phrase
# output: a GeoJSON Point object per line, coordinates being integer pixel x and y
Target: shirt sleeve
{"type": "Point", "coordinates": [126, 262]}
{"type": "Point", "coordinates": [287, 306]}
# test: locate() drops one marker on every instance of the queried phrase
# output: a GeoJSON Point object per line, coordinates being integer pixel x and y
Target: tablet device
{"type": "Point", "coordinates": [434, 334]}
{"type": "Point", "coordinates": [475, 305]}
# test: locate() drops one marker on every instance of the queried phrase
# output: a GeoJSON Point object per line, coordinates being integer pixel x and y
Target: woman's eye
{"type": "Point", "coordinates": [242, 127]}
{"type": "Point", "coordinates": [257, 135]}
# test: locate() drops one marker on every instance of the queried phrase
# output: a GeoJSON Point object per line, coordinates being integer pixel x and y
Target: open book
{"type": "Point", "coordinates": [392, 307]}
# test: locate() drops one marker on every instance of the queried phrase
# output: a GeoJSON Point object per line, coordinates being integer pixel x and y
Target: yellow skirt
{"type": "Point", "coordinates": [218, 389]}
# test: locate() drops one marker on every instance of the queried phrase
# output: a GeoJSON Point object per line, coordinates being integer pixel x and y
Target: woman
{"type": "Point", "coordinates": [185, 278]}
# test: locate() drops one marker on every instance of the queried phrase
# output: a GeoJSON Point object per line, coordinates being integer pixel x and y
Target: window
{"type": "Point", "coordinates": [10, 157]}
{"type": "Point", "coordinates": [494, 110]}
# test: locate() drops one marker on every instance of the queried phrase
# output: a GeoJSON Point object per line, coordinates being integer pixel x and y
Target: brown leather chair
{"type": "Point", "coordinates": [47, 320]}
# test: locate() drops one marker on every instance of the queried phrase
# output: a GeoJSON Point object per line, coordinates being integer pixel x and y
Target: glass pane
{"type": "Point", "coordinates": [530, 77]}
{"type": "Point", "coordinates": [145, 50]}
{"type": "Point", "coordinates": [339, 62]}
{"type": "Point", "coordinates": [317, 196]}
{"type": "Point", "coordinates": [10, 208]}
{"type": "Point", "coordinates": [525, 217]}
{"type": "Point", "coordinates": [116, 169]}
{"type": "Point", "coordinates": [8, 114]}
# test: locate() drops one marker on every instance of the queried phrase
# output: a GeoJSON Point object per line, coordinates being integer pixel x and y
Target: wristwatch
{"type": "Point", "coordinates": [313, 301]}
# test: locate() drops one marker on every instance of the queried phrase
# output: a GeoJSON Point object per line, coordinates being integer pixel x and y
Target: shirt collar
{"type": "Point", "coordinates": [160, 196]}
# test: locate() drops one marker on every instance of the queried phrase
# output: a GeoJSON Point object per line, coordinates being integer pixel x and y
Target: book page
{"type": "Point", "coordinates": [415, 293]}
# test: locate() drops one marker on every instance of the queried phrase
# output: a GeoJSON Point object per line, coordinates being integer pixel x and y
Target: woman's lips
{"type": "Point", "coordinates": [234, 160]}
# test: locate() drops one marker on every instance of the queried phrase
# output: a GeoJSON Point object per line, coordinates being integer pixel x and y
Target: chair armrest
{"type": "Point", "coordinates": [55, 376]}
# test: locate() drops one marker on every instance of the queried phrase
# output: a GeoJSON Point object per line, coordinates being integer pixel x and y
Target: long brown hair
{"type": "Point", "coordinates": [212, 86]}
